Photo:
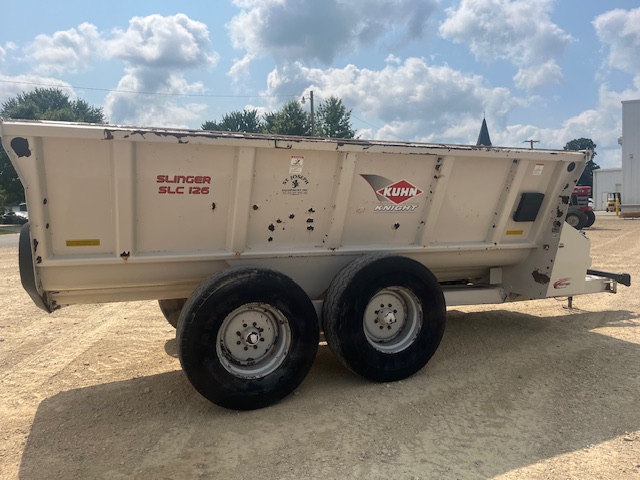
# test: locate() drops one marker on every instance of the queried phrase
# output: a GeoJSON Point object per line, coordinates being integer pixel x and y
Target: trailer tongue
{"type": "Point", "coordinates": [248, 240]}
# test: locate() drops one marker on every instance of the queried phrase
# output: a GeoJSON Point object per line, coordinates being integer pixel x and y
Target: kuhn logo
{"type": "Point", "coordinates": [388, 190]}
{"type": "Point", "coordinates": [394, 195]}
{"type": "Point", "coordinates": [399, 192]}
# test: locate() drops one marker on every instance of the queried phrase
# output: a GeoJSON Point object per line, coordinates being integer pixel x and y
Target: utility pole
{"type": "Point", "coordinates": [312, 118]}
{"type": "Point", "coordinates": [531, 142]}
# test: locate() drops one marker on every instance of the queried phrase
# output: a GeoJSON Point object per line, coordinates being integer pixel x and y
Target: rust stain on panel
{"type": "Point", "coordinates": [540, 277]}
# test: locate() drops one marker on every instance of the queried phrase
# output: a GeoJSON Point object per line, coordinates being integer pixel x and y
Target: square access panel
{"type": "Point", "coordinates": [528, 207]}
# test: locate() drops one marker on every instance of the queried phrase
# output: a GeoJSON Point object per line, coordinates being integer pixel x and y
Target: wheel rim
{"type": "Point", "coordinates": [573, 220]}
{"type": "Point", "coordinates": [253, 340]}
{"type": "Point", "coordinates": [392, 319]}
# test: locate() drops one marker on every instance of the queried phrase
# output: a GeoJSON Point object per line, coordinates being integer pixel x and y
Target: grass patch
{"type": "Point", "coordinates": [5, 232]}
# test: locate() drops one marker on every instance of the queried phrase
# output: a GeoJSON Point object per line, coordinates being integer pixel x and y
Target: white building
{"type": "Point", "coordinates": [625, 180]}
{"type": "Point", "coordinates": [605, 181]}
{"type": "Point", "coordinates": [631, 152]}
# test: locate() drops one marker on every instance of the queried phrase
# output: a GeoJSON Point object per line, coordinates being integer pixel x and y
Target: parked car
{"type": "Point", "coordinates": [15, 218]}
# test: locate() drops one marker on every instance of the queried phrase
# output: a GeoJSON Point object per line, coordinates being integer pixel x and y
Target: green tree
{"type": "Point", "coordinates": [269, 123]}
{"type": "Point", "coordinates": [291, 119]}
{"type": "Point", "coordinates": [3, 201]}
{"type": "Point", "coordinates": [40, 104]}
{"type": "Point", "coordinates": [50, 104]}
{"type": "Point", "coordinates": [585, 144]}
{"type": "Point", "coordinates": [333, 120]}
{"type": "Point", "coordinates": [247, 121]}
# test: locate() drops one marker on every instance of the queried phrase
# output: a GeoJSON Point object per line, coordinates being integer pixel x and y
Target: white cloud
{"type": "Point", "coordinates": [532, 78]}
{"type": "Point", "coordinates": [67, 51]}
{"type": "Point", "coordinates": [309, 30]}
{"type": "Point", "coordinates": [413, 100]}
{"type": "Point", "coordinates": [410, 99]}
{"type": "Point", "coordinates": [157, 50]}
{"type": "Point", "coordinates": [172, 42]}
{"type": "Point", "coordinates": [162, 109]}
{"type": "Point", "coordinates": [5, 51]}
{"type": "Point", "coordinates": [10, 86]}
{"type": "Point", "coordinates": [519, 31]}
{"type": "Point", "coordinates": [240, 70]}
{"type": "Point", "coordinates": [602, 124]}
{"type": "Point", "coordinates": [619, 31]}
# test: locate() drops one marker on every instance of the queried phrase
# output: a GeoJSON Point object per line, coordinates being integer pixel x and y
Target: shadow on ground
{"type": "Point", "coordinates": [504, 391]}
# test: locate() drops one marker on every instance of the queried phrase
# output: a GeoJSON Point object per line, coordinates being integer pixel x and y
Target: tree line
{"type": "Point", "coordinates": [332, 119]}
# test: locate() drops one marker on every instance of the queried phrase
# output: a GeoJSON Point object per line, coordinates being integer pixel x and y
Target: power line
{"type": "Point", "coordinates": [200, 95]}
{"type": "Point", "coordinates": [37, 84]}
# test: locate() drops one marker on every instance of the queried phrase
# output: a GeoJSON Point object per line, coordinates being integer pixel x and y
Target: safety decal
{"type": "Point", "coordinates": [295, 168]}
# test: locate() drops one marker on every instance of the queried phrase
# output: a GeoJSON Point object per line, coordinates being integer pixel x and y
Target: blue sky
{"type": "Point", "coordinates": [424, 70]}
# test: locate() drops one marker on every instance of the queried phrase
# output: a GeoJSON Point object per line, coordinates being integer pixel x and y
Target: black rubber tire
{"type": "Point", "coordinates": [344, 308]}
{"type": "Point", "coordinates": [203, 316]}
{"type": "Point", "coordinates": [577, 219]}
{"type": "Point", "coordinates": [171, 309]}
{"type": "Point", "coordinates": [591, 218]}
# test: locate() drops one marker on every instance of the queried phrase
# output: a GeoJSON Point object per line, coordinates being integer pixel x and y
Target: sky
{"type": "Point", "coordinates": [414, 70]}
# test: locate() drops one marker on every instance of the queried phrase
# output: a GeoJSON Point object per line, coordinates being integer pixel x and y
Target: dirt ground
{"type": "Point", "coordinates": [526, 390]}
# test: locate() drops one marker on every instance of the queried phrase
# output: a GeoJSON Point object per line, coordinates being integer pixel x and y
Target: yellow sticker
{"type": "Point", "coordinates": [515, 232]}
{"type": "Point", "coordinates": [91, 242]}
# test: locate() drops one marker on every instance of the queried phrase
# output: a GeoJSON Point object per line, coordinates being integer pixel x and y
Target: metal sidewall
{"type": "Point", "coordinates": [27, 270]}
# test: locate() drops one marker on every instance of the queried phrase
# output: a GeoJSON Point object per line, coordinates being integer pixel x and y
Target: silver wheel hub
{"type": "Point", "coordinates": [386, 317]}
{"type": "Point", "coordinates": [253, 340]}
{"type": "Point", "coordinates": [392, 319]}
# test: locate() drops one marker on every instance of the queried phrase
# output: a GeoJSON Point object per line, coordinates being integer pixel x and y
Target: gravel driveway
{"type": "Point", "coordinates": [527, 390]}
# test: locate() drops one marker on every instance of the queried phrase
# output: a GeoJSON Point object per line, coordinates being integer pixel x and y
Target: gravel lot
{"type": "Point", "coordinates": [528, 390]}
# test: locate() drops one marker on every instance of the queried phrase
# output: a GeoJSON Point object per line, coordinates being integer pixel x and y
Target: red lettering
{"type": "Point", "coordinates": [171, 191]}
{"type": "Point", "coordinates": [199, 190]}
{"type": "Point", "coordinates": [200, 179]}
{"type": "Point", "coordinates": [183, 179]}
